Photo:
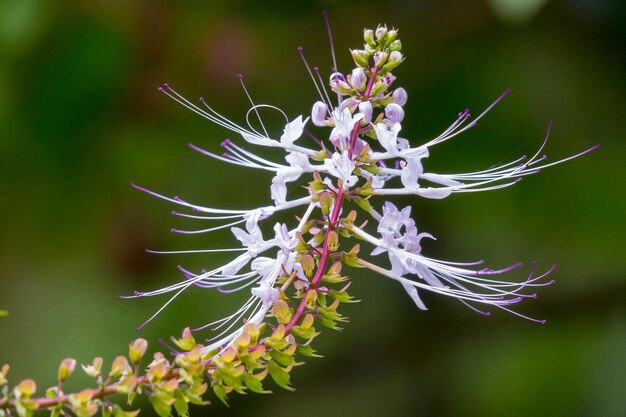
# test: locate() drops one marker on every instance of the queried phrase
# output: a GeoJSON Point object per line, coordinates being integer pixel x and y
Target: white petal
{"type": "Point", "coordinates": [412, 291]}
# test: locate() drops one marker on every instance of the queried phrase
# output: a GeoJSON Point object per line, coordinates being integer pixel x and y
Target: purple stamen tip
{"type": "Point", "coordinates": [316, 69]}
{"type": "Point", "coordinates": [533, 295]}
{"type": "Point", "coordinates": [201, 99]}
{"type": "Point", "coordinates": [542, 322]}
{"type": "Point", "coordinates": [240, 76]}
{"type": "Point", "coordinates": [161, 89]}
{"type": "Point", "coordinates": [518, 180]}
{"type": "Point", "coordinates": [300, 49]}
{"type": "Point", "coordinates": [324, 13]}
{"type": "Point", "coordinates": [166, 85]}
{"type": "Point", "coordinates": [174, 231]}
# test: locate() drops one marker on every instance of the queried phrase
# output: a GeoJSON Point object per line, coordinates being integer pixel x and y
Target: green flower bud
{"type": "Point", "coordinates": [395, 45]}
{"type": "Point", "coordinates": [65, 369]}
{"type": "Point", "coordinates": [360, 57]}
{"type": "Point", "coordinates": [326, 200]}
{"type": "Point", "coordinates": [391, 36]}
{"type": "Point", "coordinates": [368, 37]}
{"type": "Point", "coordinates": [395, 59]}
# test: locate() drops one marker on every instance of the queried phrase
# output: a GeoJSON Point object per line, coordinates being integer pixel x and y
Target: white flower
{"type": "Point", "coordinates": [344, 123]}
{"type": "Point", "coordinates": [266, 293]}
{"type": "Point", "coordinates": [283, 238]}
{"type": "Point", "coordinates": [340, 166]}
{"type": "Point", "coordinates": [293, 130]}
{"type": "Point", "coordinates": [412, 170]}
{"type": "Point", "coordinates": [388, 136]}
{"type": "Point", "coordinates": [365, 108]}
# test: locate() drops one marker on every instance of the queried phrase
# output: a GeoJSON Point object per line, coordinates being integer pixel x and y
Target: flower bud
{"type": "Point", "coordinates": [391, 36]}
{"type": "Point", "coordinates": [65, 369]}
{"type": "Point", "coordinates": [311, 298]}
{"type": "Point", "coordinates": [395, 45]}
{"type": "Point", "coordinates": [360, 57]}
{"type": "Point", "coordinates": [136, 350]}
{"type": "Point", "coordinates": [25, 389]}
{"type": "Point", "coordinates": [380, 86]}
{"type": "Point", "coordinates": [119, 367]}
{"type": "Point", "coordinates": [4, 371]}
{"type": "Point", "coordinates": [380, 58]}
{"type": "Point", "coordinates": [394, 113]}
{"type": "Point", "coordinates": [365, 107]}
{"type": "Point", "coordinates": [381, 31]}
{"type": "Point", "coordinates": [358, 79]}
{"type": "Point", "coordinates": [326, 202]}
{"type": "Point", "coordinates": [399, 96]}
{"type": "Point", "coordinates": [308, 265]}
{"type": "Point", "coordinates": [395, 59]}
{"type": "Point", "coordinates": [282, 311]}
{"type": "Point", "coordinates": [368, 37]}
{"type": "Point", "coordinates": [318, 114]}
{"type": "Point", "coordinates": [333, 240]}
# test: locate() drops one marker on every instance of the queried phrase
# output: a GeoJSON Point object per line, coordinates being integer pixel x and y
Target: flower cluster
{"type": "Point", "coordinates": [293, 275]}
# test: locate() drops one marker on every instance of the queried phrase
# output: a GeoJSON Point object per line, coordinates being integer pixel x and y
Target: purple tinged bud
{"type": "Point", "coordinates": [365, 107]}
{"type": "Point", "coordinates": [380, 58]}
{"type": "Point", "coordinates": [318, 114]}
{"type": "Point", "coordinates": [358, 78]}
{"type": "Point", "coordinates": [381, 31]}
{"type": "Point", "coordinates": [394, 113]}
{"type": "Point", "coordinates": [399, 96]}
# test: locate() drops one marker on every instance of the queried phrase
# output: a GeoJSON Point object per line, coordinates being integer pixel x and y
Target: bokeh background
{"type": "Point", "coordinates": [80, 117]}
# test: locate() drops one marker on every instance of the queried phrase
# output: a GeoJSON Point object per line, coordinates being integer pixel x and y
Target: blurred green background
{"type": "Point", "coordinates": [80, 117]}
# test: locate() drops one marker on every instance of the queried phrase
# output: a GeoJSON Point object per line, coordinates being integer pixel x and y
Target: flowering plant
{"type": "Point", "coordinates": [295, 277]}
